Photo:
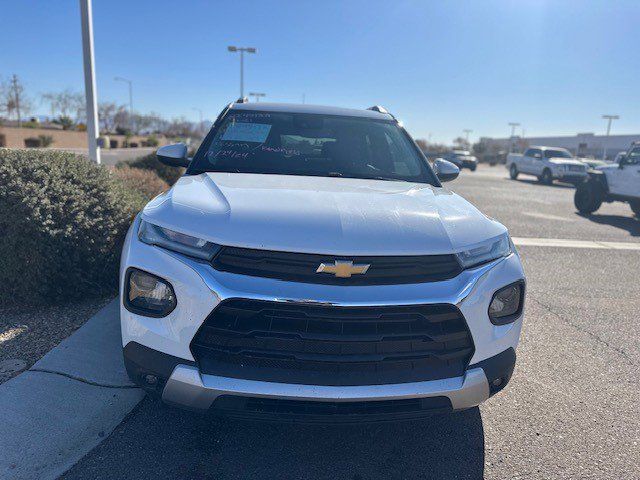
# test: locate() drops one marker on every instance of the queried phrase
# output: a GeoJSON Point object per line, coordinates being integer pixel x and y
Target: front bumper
{"type": "Point", "coordinates": [571, 177]}
{"type": "Point", "coordinates": [200, 289]}
{"type": "Point", "coordinates": [180, 383]}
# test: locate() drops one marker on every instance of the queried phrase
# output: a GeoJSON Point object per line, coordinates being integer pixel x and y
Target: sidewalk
{"type": "Point", "coordinates": [67, 403]}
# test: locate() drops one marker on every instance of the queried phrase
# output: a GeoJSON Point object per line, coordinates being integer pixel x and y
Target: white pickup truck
{"type": "Point", "coordinates": [548, 164]}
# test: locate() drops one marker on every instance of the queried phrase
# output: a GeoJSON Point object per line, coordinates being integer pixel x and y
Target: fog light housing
{"type": "Point", "coordinates": [506, 304]}
{"type": "Point", "coordinates": [147, 294]}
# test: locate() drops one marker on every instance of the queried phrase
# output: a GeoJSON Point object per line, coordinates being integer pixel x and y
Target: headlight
{"type": "Point", "coordinates": [146, 294]}
{"type": "Point", "coordinates": [487, 252]}
{"type": "Point", "coordinates": [176, 241]}
{"type": "Point", "coordinates": [506, 304]}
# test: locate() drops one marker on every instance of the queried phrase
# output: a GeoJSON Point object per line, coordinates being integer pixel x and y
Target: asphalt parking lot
{"type": "Point", "coordinates": [571, 410]}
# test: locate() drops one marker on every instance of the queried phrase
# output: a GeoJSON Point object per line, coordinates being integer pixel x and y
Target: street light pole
{"type": "Point", "coordinates": [89, 80]}
{"type": "Point", "coordinates": [241, 50]}
{"type": "Point", "coordinates": [467, 132]}
{"type": "Point", "coordinates": [257, 96]}
{"type": "Point", "coordinates": [610, 118]}
{"type": "Point", "coordinates": [513, 126]}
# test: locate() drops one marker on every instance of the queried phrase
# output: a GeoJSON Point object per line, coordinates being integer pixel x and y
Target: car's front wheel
{"type": "Point", "coordinates": [513, 171]}
{"type": "Point", "coordinates": [473, 167]}
{"type": "Point", "coordinates": [588, 197]}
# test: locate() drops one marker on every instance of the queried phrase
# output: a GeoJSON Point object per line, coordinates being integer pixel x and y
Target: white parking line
{"type": "Point", "coordinates": [548, 216]}
{"type": "Point", "coordinates": [567, 243]}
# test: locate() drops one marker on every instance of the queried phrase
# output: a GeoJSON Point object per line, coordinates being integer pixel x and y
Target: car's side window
{"type": "Point", "coordinates": [529, 152]}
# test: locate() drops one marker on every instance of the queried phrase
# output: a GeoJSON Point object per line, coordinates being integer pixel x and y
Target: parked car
{"type": "Point", "coordinates": [310, 264]}
{"type": "Point", "coordinates": [462, 159]}
{"type": "Point", "coordinates": [615, 182]}
{"type": "Point", "coordinates": [547, 164]}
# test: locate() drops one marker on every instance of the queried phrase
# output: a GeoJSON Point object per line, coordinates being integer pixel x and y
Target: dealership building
{"type": "Point", "coordinates": [582, 144]}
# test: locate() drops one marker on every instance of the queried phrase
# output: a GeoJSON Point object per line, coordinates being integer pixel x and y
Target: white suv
{"type": "Point", "coordinates": [613, 182]}
{"type": "Point", "coordinates": [310, 265]}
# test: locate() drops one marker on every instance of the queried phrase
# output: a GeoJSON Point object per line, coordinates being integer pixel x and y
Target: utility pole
{"type": "Point", "coordinates": [89, 80]}
{"type": "Point", "coordinates": [467, 132]}
{"type": "Point", "coordinates": [257, 96]}
{"type": "Point", "coordinates": [513, 126]}
{"type": "Point", "coordinates": [241, 50]}
{"type": "Point", "coordinates": [610, 118]}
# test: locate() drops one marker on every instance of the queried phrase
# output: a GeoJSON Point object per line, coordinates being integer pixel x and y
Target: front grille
{"type": "Point", "coordinates": [301, 267]}
{"type": "Point", "coordinates": [330, 345]}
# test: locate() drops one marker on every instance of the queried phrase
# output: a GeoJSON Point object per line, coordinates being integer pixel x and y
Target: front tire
{"type": "Point", "coordinates": [588, 197]}
{"type": "Point", "coordinates": [513, 171]}
{"type": "Point", "coordinates": [546, 178]}
{"type": "Point", "coordinates": [473, 168]}
{"type": "Point", "coordinates": [635, 206]}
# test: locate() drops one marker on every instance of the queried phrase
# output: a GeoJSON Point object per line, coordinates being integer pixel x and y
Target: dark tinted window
{"type": "Point", "coordinates": [316, 145]}
{"type": "Point", "coordinates": [557, 154]}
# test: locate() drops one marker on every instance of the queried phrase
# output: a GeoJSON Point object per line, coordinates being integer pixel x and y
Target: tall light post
{"type": "Point", "coordinates": [122, 79]}
{"type": "Point", "coordinates": [610, 118]}
{"type": "Point", "coordinates": [257, 96]}
{"type": "Point", "coordinates": [241, 50]}
{"type": "Point", "coordinates": [467, 132]}
{"type": "Point", "coordinates": [513, 126]}
{"type": "Point", "coordinates": [89, 80]}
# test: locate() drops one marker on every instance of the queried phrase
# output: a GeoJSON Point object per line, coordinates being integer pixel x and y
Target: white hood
{"type": "Point", "coordinates": [565, 161]}
{"type": "Point", "coordinates": [339, 216]}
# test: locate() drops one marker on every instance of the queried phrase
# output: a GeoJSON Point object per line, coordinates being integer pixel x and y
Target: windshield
{"type": "Point", "coordinates": [557, 154]}
{"type": "Point", "coordinates": [315, 145]}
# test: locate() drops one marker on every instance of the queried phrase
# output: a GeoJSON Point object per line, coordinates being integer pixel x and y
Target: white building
{"type": "Point", "coordinates": [581, 144]}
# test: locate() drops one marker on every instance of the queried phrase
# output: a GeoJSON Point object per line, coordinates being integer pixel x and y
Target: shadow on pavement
{"type": "Point", "coordinates": [630, 224]}
{"type": "Point", "coordinates": [162, 442]}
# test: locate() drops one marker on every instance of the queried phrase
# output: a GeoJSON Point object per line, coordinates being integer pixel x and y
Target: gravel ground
{"type": "Point", "coordinates": [26, 334]}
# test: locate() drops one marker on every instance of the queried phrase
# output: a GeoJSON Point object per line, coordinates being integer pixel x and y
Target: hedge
{"type": "Point", "coordinates": [63, 220]}
{"type": "Point", "coordinates": [151, 162]}
{"type": "Point", "coordinates": [144, 182]}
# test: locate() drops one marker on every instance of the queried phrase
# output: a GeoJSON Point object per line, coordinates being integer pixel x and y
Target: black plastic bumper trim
{"type": "Point", "coordinates": [140, 361]}
{"type": "Point", "coordinates": [499, 366]}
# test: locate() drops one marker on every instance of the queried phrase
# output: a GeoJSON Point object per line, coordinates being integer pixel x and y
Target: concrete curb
{"type": "Point", "coordinates": [67, 403]}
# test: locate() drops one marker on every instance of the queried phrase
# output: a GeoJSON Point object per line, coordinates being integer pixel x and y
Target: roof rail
{"type": "Point", "coordinates": [242, 100]}
{"type": "Point", "coordinates": [380, 109]}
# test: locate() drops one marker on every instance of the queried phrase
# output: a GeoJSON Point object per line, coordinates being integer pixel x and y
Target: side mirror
{"type": "Point", "coordinates": [537, 155]}
{"type": "Point", "coordinates": [174, 155]}
{"type": "Point", "coordinates": [445, 170]}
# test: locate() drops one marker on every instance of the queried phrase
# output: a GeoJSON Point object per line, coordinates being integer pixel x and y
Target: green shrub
{"type": "Point", "coordinates": [63, 220]}
{"type": "Point", "coordinates": [32, 142]}
{"type": "Point", "coordinates": [45, 140]}
{"type": "Point", "coordinates": [146, 182]}
{"type": "Point", "coordinates": [151, 162]}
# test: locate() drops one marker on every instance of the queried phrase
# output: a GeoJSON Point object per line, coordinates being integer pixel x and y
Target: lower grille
{"type": "Point", "coordinates": [329, 345]}
{"type": "Point", "coordinates": [305, 410]}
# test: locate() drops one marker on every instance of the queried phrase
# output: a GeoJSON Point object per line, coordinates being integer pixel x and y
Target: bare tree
{"type": "Point", "coordinates": [461, 143]}
{"type": "Point", "coordinates": [14, 99]}
{"type": "Point", "coordinates": [51, 99]}
{"type": "Point", "coordinates": [106, 114]}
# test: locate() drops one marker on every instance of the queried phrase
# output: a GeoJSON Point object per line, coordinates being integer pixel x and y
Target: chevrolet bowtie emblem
{"type": "Point", "coordinates": [343, 268]}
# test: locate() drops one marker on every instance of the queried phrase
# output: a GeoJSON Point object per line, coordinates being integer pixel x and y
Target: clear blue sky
{"type": "Point", "coordinates": [554, 66]}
